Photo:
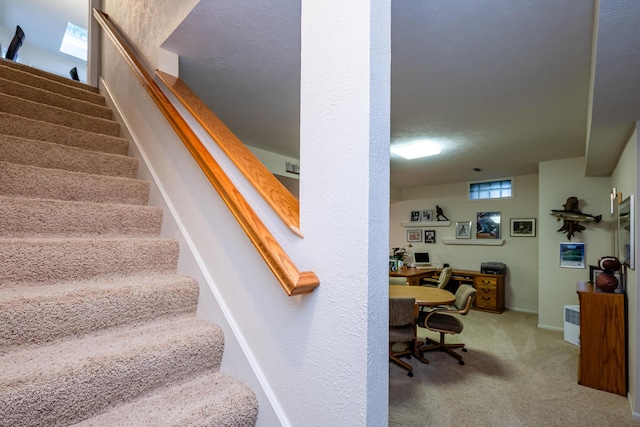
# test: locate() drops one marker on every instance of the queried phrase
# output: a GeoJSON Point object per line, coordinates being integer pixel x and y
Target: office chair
{"type": "Point", "coordinates": [401, 281]}
{"type": "Point", "coordinates": [441, 281]}
{"type": "Point", "coordinates": [16, 42]}
{"type": "Point", "coordinates": [402, 329]}
{"type": "Point", "coordinates": [440, 320]}
{"type": "Point", "coordinates": [74, 74]}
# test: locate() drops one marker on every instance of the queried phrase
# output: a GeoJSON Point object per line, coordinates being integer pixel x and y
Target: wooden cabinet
{"type": "Point", "coordinates": [603, 340]}
{"type": "Point", "coordinates": [490, 296]}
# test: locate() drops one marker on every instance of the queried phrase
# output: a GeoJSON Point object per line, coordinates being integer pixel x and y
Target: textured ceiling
{"type": "Point", "coordinates": [502, 84]}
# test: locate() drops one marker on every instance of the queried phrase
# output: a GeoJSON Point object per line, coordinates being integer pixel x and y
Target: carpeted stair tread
{"type": "Point", "coordinates": [34, 182]}
{"type": "Point", "coordinates": [55, 156]}
{"type": "Point", "coordinates": [23, 127]}
{"type": "Point", "coordinates": [35, 94]}
{"type": "Point", "coordinates": [191, 403]}
{"type": "Point", "coordinates": [24, 217]}
{"type": "Point", "coordinates": [47, 75]}
{"type": "Point", "coordinates": [11, 73]}
{"type": "Point", "coordinates": [72, 380]}
{"type": "Point", "coordinates": [34, 315]}
{"type": "Point", "coordinates": [54, 260]}
{"type": "Point", "coordinates": [60, 116]}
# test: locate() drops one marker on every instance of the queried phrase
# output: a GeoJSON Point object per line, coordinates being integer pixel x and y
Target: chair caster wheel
{"type": "Point", "coordinates": [461, 362]}
{"type": "Point", "coordinates": [464, 349]}
{"type": "Point", "coordinates": [410, 374]}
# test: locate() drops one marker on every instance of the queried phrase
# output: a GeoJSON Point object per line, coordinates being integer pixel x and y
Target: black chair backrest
{"type": "Point", "coordinates": [16, 42]}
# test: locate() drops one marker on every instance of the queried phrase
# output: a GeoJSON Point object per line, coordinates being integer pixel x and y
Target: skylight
{"type": "Point", "coordinates": [417, 149]}
{"type": "Point", "coordinates": [74, 42]}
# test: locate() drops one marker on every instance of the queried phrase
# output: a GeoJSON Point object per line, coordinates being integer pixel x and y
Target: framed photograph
{"type": "Point", "coordinates": [463, 230]}
{"type": "Point", "coordinates": [523, 227]}
{"type": "Point", "coordinates": [427, 215]}
{"type": "Point", "coordinates": [626, 231]}
{"type": "Point", "coordinates": [415, 216]}
{"type": "Point", "coordinates": [594, 271]}
{"type": "Point", "coordinates": [572, 255]}
{"type": "Point", "coordinates": [393, 265]}
{"type": "Point", "coordinates": [488, 225]}
{"type": "Point", "coordinates": [414, 236]}
{"type": "Point", "coordinates": [429, 236]}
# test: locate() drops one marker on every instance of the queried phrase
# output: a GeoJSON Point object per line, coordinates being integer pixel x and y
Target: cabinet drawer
{"type": "Point", "coordinates": [486, 281]}
{"type": "Point", "coordinates": [486, 301]}
{"type": "Point", "coordinates": [487, 290]}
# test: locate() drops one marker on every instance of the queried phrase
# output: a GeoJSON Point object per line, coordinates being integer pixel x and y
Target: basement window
{"type": "Point", "coordinates": [493, 189]}
{"type": "Point", "coordinates": [74, 42]}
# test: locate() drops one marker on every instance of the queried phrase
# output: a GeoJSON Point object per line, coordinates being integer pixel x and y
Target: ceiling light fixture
{"type": "Point", "coordinates": [416, 150]}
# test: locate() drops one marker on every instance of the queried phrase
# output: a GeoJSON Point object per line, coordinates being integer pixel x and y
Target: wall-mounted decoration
{"type": "Point", "coordinates": [572, 255]}
{"type": "Point", "coordinates": [626, 231]}
{"type": "Point", "coordinates": [463, 229]}
{"type": "Point", "coordinates": [427, 215]}
{"type": "Point", "coordinates": [523, 227]}
{"type": "Point", "coordinates": [414, 236]}
{"type": "Point", "coordinates": [440, 216]}
{"type": "Point", "coordinates": [572, 217]}
{"type": "Point", "coordinates": [429, 236]}
{"type": "Point", "coordinates": [488, 225]}
{"type": "Point", "coordinates": [415, 216]}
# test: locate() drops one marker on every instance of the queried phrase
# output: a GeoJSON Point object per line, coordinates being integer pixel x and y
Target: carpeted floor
{"type": "Point", "coordinates": [516, 374]}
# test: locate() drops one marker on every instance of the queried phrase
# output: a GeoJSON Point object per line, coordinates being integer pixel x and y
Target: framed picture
{"type": "Point", "coordinates": [463, 230]}
{"type": "Point", "coordinates": [427, 215]}
{"type": "Point", "coordinates": [429, 236]}
{"type": "Point", "coordinates": [626, 231]}
{"type": "Point", "coordinates": [488, 225]}
{"type": "Point", "coordinates": [572, 255]}
{"type": "Point", "coordinates": [393, 265]}
{"type": "Point", "coordinates": [415, 216]}
{"type": "Point", "coordinates": [594, 271]}
{"type": "Point", "coordinates": [523, 227]}
{"type": "Point", "coordinates": [414, 236]}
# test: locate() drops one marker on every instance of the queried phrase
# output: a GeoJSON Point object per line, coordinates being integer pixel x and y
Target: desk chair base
{"type": "Point", "coordinates": [432, 345]}
{"type": "Point", "coordinates": [394, 356]}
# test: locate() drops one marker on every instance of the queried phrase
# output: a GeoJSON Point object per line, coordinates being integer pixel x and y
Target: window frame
{"type": "Point", "coordinates": [507, 178]}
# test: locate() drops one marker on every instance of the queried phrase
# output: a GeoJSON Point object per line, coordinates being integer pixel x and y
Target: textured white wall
{"type": "Point", "coordinates": [519, 253]}
{"type": "Point", "coordinates": [625, 180]}
{"type": "Point", "coordinates": [559, 180]}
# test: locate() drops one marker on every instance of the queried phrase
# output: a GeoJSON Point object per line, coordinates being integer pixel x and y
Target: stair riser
{"type": "Point", "coordinates": [49, 261]}
{"type": "Point", "coordinates": [76, 311]}
{"type": "Point", "coordinates": [30, 79]}
{"type": "Point", "coordinates": [36, 130]}
{"type": "Point", "coordinates": [32, 182]}
{"type": "Point", "coordinates": [67, 396]}
{"type": "Point", "coordinates": [46, 113]}
{"type": "Point", "coordinates": [55, 156]}
{"type": "Point", "coordinates": [49, 218]}
{"type": "Point", "coordinates": [50, 76]}
{"type": "Point", "coordinates": [54, 99]}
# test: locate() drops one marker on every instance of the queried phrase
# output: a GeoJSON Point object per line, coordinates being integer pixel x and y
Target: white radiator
{"type": "Point", "coordinates": [572, 324]}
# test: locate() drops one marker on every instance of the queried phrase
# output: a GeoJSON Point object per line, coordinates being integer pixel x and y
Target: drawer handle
{"type": "Point", "coordinates": [486, 298]}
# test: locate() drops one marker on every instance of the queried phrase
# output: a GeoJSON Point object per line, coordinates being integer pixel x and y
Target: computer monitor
{"type": "Point", "coordinates": [421, 259]}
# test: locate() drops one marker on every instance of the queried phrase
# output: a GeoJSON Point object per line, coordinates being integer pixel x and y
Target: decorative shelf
{"type": "Point", "coordinates": [419, 224]}
{"type": "Point", "coordinates": [478, 242]}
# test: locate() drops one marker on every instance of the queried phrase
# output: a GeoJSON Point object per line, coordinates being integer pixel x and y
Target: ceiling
{"type": "Point", "coordinates": [502, 85]}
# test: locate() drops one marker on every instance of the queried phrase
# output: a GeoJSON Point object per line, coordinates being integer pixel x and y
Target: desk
{"type": "Point", "coordinates": [424, 295]}
{"type": "Point", "coordinates": [413, 275]}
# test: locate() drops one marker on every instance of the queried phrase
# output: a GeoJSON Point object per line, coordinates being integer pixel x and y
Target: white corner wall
{"type": "Point", "coordinates": [558, 180]}
{"type": "Point", "coordinates": [520, 254]}
{"type": "Point", "coordinates": [625, 180]}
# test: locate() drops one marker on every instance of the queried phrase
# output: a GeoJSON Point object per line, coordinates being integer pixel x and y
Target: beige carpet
{"type": "Point", "coordinates": [96, 326]}
{"type": "Point", "coordinates": [515, 375]}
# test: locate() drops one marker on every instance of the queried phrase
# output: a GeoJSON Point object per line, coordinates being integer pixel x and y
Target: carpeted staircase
{"type": "Point", "coordinates": [96, 327]}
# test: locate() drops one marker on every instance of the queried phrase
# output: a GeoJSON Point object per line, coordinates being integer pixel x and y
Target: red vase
{"type": "Point", "coordinates": [606, 281]}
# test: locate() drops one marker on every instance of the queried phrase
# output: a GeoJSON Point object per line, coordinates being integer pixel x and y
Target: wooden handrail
{"type": "Point", "coordinates": [277, 196]}
{"type": "Point", "coordinates": [293, 281]}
